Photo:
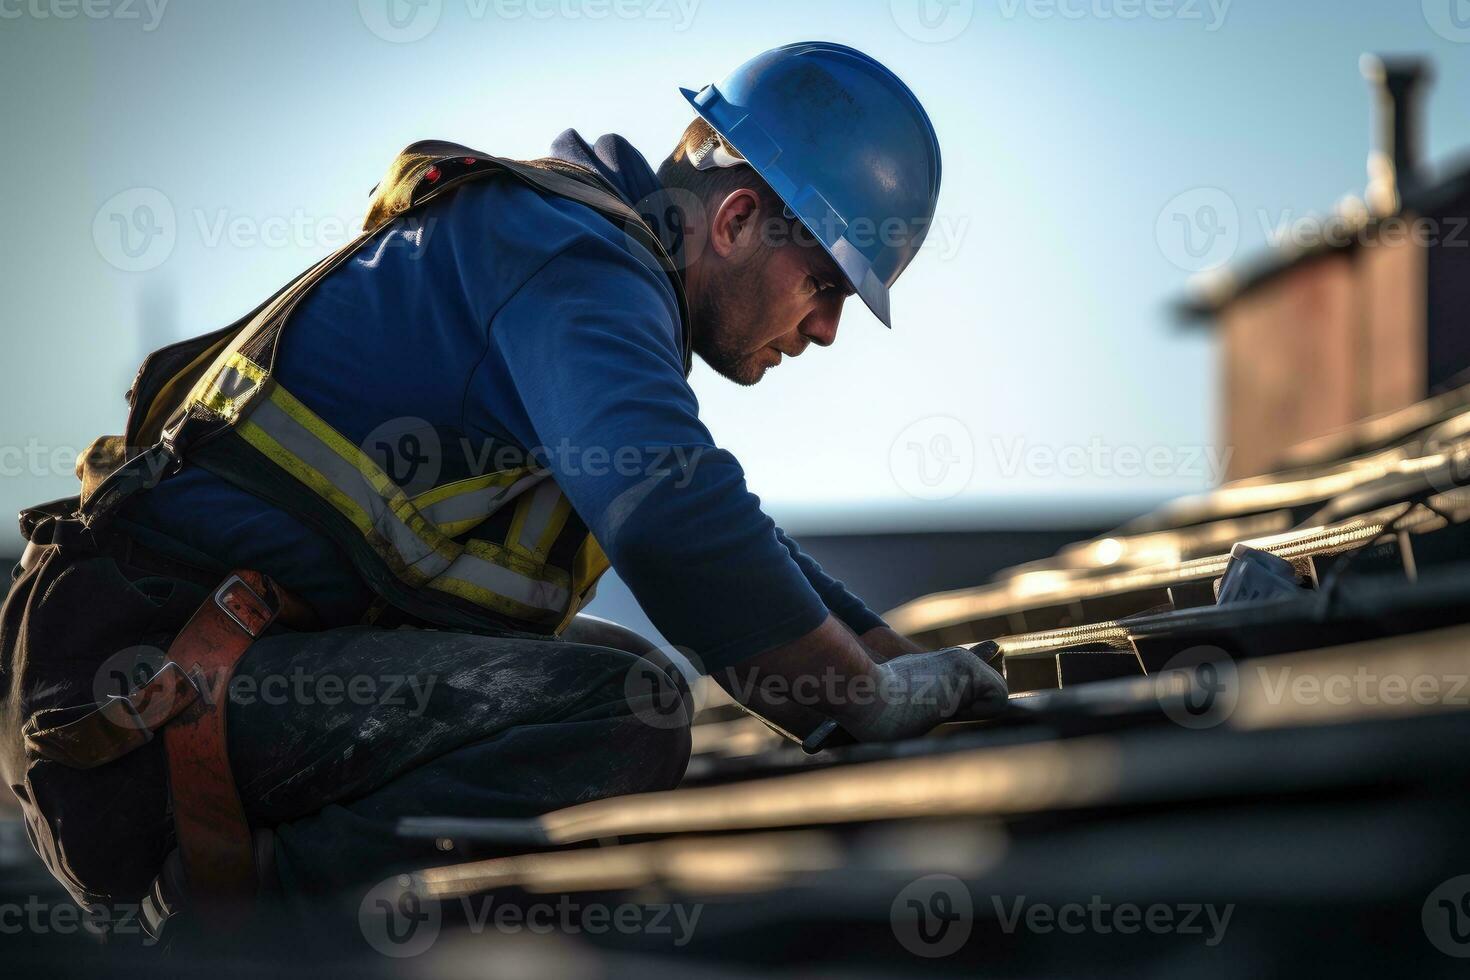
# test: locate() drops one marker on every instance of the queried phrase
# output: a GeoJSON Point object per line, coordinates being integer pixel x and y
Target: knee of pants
{"type": "Point", "coordinates": [655, 706]}
{"type": "Point", "coordinates": [669, 746]}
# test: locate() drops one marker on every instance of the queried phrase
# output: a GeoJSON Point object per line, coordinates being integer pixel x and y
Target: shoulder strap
{"type": "Point", "coordinates": [428, 168]}
{"type": "Point", "coordinates": [419, 174]}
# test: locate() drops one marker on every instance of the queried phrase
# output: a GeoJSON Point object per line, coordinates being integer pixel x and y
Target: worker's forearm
{"type": "Point", "coordinates": [800, 684]}
{"type": "Point", "coordinates": [882, 643]}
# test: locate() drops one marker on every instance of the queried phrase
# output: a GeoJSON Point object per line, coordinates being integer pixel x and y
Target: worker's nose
{"type": "Point", "coordinates": [821, 326]}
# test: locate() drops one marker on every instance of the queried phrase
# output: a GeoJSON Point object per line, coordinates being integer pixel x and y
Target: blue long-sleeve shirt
{"type": "Point", "coordinates": [500, 314]}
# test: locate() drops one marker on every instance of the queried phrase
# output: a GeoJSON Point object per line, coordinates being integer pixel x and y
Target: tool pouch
{"type": "Point", "coordinates": [75, 628]}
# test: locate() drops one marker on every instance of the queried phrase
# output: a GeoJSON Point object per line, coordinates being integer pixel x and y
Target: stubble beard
{"type": "Point", "coordinates": [714, 340]}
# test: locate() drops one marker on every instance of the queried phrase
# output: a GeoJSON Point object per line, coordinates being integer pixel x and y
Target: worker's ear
{"type": "Point", "coordinates": [735, 229]}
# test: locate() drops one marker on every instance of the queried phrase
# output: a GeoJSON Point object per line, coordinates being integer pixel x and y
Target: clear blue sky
{"type": "Point", "coordinates": [1035, 321]}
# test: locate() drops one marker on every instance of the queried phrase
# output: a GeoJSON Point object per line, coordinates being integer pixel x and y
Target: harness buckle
{"type": "Point", "coordinates": [244, 606]}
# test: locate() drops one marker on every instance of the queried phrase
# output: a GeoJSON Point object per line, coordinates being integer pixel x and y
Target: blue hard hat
{"type": "Point", "coordinates": [845, 144]}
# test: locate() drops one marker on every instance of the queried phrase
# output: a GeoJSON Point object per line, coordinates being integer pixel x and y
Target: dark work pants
{"type": "Point", "coordinates": [336, 735]}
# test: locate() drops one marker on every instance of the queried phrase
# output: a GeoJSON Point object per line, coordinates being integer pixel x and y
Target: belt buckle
{"type": "Point", "coordinates": [244, 605]}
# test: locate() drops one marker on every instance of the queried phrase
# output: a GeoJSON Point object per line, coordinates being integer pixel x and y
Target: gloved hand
{"type": "Point", "coordinates": [917, 691]}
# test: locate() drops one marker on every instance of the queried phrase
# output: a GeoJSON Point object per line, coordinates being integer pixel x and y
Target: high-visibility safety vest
{"type": "Point", "coordinates": [501, 551]}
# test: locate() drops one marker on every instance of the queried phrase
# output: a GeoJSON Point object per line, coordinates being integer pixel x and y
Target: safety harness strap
{"type": "Point", "coordinates": [222, 409]}
{"type": "Point", "coordinates": [214, 836]}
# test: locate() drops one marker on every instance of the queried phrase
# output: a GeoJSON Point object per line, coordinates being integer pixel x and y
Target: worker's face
{"type": "Point", "coordinates": [759, 292]}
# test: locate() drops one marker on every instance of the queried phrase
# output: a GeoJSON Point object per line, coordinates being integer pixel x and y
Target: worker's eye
{"type": "Point", "coordinates": [818, 285]}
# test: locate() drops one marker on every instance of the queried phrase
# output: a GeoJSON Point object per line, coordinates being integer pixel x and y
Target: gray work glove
{"type": "Point", "coordinates": [917, 691]}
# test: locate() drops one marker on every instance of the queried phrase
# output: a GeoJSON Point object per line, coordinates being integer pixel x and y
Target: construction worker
{"type": "Point", "coordinates": [361, 520]}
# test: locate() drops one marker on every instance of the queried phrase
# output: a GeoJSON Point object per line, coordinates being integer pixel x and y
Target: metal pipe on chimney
{"type": "Point", "coordinates": [1393, 163]}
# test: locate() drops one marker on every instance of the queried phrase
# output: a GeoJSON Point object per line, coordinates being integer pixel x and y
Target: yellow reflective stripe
{"type": "Point", "coordinates": [491, 576]}
{"type": "Point", "coordinates": [246, 367]}
{"type": "Point", "coordinates": [337, 498]}
{"type": "Point", "coordinates": [457, 507]}
{"type": "Point", "coordinates": [559, 514]}
{"type": "Point", "coordinates": [454, 529]}
{"type": "Point", "coordinates": [588, 566]}
{"type": "Point", "coordinates": [227, 389]}
{"type": "Point", "coordinates": [490, 600]}
{"type": "Point", "coordinates": [293, 437]}
{"type": "Point", "coordinates": [166, 400]}
{"type": "Point", "coordinates": [319, 457]}
{"type": "Point", "coordinates": [458, 487]}
{"type": "Point", "coordinates": [534, 514]}
{"type": "Point", "coordinates": [517, 521]}
{"type": "Point", "coordinates": [354, 457]}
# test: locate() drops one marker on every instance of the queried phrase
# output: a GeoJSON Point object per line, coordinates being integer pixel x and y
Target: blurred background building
{"type": "Point", "coordinates": [1355, 313]}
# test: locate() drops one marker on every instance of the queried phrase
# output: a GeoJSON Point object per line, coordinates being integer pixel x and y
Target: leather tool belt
{"type": "Point", "coordinates": [186, 701]}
